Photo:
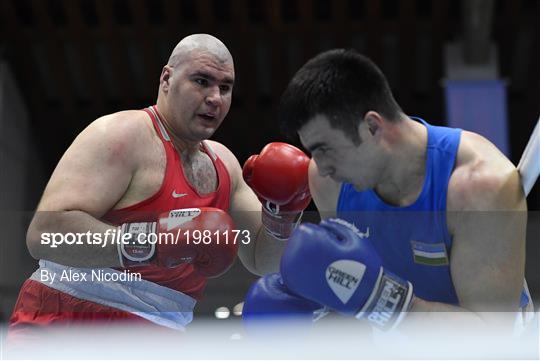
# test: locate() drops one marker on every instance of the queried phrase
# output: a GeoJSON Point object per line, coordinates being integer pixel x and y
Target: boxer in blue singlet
{"type": "Point", "coordinates": [435, 216]}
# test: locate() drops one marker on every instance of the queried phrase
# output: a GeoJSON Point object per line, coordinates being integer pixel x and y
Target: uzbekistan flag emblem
{"type": "Point", "coordinates": [429, 254]}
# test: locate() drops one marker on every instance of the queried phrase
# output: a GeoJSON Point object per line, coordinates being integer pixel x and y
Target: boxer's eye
{"type": "Point", "coordinates": [201, 81]}
{"type": "Point", "coordinates": [321, 150]}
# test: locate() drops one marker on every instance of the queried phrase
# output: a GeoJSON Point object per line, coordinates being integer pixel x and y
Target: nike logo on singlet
{"type": "Point", "coordinates": [178, 195]}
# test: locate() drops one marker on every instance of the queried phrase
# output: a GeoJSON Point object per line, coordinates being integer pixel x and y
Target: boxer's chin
{"type": "Point", "coordinates": [205, 131]}
{"type": "Point", "coordinates": [359, 187]}
{"type": "Point", "coordinates": [204, 134]}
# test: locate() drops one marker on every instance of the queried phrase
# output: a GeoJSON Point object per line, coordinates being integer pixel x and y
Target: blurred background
{"type": "Point", "coordinates": [63, 63]}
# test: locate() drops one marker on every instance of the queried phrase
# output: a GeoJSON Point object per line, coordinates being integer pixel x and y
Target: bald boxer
{"type": "Point", "coordinates": [416, 217]}
{"type": "Point", "coordinates": [150, 173]}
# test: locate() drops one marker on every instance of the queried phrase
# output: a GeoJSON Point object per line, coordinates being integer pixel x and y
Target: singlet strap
{"type": "Point", "coordinates": [209, 150]}
{"type": "Point", "coordinates": [158, 123]}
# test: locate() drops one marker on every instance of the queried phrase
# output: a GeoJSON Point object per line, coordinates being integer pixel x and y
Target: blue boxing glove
{"type": "Point", "coordinates": [268, 299]}
{"type": "Point", "coordinates": [335, 265]}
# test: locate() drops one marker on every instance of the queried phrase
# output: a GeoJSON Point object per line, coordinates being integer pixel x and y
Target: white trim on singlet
{"type": "Point", "coordinates": [209, 150]}
{"type": "Point", "coordinates": [162, 129]}
{"type": "Point", "coordinates": [158, 304]}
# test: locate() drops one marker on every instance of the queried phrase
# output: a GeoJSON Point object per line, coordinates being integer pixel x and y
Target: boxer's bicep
{"type": "Point", "coordinates": [93, 173]}
{"type": "Point", "coordinates": [244, 204]}
{"type": "Point", "coordinates": [245, 208]}
{"type": "Point", "coordinates": [324, 190]}
{"type": "Point", "coordinates": [488, 250]}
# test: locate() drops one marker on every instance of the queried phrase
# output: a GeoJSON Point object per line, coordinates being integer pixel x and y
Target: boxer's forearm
{"type": "Point", "coordinates": [268, 251]}
{"type": "Point", "coordinates": [424, 313]}
{"type": "Point", "coordinates": [87, 251]}
{"type": "Point", "coordinates": [419, 305]}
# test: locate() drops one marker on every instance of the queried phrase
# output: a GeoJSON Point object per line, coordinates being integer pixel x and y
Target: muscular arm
{"type": "Point", "coordinates": [487, 218]}
{"type": "Point", "coordinates": [89, 180]}
{"type": "Point", "coordinates": [263, 253]}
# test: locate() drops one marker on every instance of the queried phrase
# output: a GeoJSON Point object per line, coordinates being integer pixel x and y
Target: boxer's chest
{"type": "Point", "coordinates": [198, 171]}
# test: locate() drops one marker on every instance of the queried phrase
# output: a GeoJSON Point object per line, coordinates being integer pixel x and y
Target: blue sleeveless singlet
{"type": "Point", "coordinates": [413, 241]}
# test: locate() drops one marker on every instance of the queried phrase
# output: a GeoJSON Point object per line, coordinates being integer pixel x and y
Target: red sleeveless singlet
{"type": "Point", "coordinates": [38, 304]}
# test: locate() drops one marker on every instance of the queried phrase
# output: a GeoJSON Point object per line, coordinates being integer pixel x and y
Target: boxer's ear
{"type": "Point", "coordinates": [373, 122]}
{"type": "Point", "coordinates": [165, 78]}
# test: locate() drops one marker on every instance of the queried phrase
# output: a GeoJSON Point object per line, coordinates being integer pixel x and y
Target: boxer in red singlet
{"type": "Point", "coordinates": [133, 167]}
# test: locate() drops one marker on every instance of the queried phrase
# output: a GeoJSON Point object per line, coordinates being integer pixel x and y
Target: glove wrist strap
{"type": "Point", "coordinates": [389, 302]}
{"type": "Point", "coordinates": [135, 247]}
{"type": "Point", "coordinates": [279, 224]}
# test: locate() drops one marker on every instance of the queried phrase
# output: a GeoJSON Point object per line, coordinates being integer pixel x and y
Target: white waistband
{"type": "Point", "coordinates": [158, 304]}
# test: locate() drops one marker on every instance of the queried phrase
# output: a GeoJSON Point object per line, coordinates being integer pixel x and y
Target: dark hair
{"type": "Point", "coordinates": [341, 84]}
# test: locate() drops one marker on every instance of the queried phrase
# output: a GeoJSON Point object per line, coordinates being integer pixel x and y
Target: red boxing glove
{"type": "Point", "coordinates": [279, 177]}
{"type": "Point", "coordinates": [201, 236]}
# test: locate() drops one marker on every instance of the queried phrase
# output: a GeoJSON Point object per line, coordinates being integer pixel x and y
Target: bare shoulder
{"type": "Point", "coordinates": [123, 134]}
{"type": "Point", "coordinates": [324, 190]}
{"type": "Point", "coordinates": [100, 162]}
{"type": "Point", "coordinates": [127, 125]}
{"type": "Point", "coordinates": [483, 178]}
